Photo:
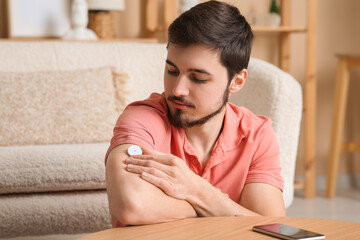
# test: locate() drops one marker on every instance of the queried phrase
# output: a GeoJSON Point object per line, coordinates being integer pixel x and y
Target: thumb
{"type": "Point", "coordinates": [149, 151]}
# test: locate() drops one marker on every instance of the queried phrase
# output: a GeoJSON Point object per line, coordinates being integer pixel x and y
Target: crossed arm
{"type": "Point", "coordinates": [156, 187]}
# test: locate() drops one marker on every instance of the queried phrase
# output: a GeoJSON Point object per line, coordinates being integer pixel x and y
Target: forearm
{"type": "Point", "coordinates": [210, 201]}
{"type": "Point", "coordinates": [134, 201]}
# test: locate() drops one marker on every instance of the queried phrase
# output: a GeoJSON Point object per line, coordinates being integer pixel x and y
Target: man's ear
{"type": "Point", "coordinates": [238, 81]}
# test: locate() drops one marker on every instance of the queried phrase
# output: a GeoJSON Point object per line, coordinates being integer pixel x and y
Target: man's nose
{"type": "Point", "coordinates": [181, 87]}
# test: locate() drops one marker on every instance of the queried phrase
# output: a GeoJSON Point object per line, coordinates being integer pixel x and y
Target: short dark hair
{"type": "Point", "coordinates": [219, 26]}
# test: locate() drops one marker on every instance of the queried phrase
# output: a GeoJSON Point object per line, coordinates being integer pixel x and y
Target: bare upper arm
{"type": "Point", "coordinates": [263, 199]}
{"type": "Point", "coordinates": [135, 201]}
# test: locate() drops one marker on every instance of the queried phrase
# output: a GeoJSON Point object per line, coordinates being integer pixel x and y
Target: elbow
{"type": "Point", "coordinates": [278, 212]}
{"type": "Point", "coordinates": [282, 213]}
{"type": "Point", "coordinates": [271, 211]}
{"type": "Point", "coordinates": [124, 217]}
{"type": "Point", "coordinates": [129, 214]}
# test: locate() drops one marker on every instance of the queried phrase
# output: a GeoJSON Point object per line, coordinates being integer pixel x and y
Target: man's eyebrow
{"type": "Point", "coordinates": [170, 63]}
{"type": "Point", "coordinates": [190, 69]}
{"type": "Point", "coordinates": [199, 71]}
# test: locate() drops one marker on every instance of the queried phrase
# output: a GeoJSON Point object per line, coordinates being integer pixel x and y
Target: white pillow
{"type": "Point", "coordinates": [58, 106]}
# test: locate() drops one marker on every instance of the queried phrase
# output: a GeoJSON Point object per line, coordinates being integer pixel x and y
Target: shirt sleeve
{"type": "Point", "coordinates": [265, 165]}
{"type": "Point", "coordinates": [140, 125]}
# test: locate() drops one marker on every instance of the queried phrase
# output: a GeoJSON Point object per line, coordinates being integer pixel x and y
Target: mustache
{"type": "Point", "coordinates": [180, 99]}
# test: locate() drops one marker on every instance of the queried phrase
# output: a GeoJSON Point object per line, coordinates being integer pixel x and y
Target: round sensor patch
{"type": "Point", "coordinates": [134, 150]}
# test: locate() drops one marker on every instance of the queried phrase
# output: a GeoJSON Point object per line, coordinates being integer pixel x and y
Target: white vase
{"type": "Point", "coordinates": [79, 21]}
{"type": "Point", "coordinates": [187, 4]}
{"type": "Point", "coordinates": [274, 20]}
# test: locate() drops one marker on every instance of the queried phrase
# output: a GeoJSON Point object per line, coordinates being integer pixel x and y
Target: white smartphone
{"type": "Point", "coordinates": [287, 232]}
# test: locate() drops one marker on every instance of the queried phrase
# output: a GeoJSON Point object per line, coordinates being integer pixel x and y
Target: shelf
{"type": "Point", "coordinates": [138, 40]}
{"type": "Point", "coordinates": [284, 29]}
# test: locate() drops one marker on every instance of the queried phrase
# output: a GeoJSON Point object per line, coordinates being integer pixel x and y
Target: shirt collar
{"type": "Point", "coordinates": [230, 136]}
{"type": "Point", "coordinates": [232, 133]}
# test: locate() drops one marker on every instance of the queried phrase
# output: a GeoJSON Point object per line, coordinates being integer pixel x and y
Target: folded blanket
{"type": "Point", "coordinates": [54, 213]}
{"type": "Point", "coordinates": [46, 168]}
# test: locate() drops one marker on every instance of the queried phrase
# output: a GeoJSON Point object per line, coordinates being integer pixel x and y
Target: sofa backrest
{"type": "Point", "coordinates": [143, 62]}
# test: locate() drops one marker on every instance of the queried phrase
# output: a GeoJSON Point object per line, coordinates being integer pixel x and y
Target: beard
{"type": "Point", "coordinates": [177, 120]}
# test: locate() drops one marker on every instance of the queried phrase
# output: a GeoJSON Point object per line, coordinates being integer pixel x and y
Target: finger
{"type": "Point", "coordinates": [145, 162]}
{"type": "Point", "coordinates": [159, 182]}
{"type": "Point", "coordinates": [152, 171]}
{"type": "Point", "coordinates": [152, 152]}
{"type": "Point", "coordinates": [140, 165]}
{"type": "Point", "coordinates": [166, 159]}
{"type": "Point", "coordinates": [148, 150]}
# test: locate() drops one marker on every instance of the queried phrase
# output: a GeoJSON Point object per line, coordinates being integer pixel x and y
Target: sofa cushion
{"type": "Point", "coordinates": [46, 168]}
{"type": "Point", "coordinates": [57, 106]}
{"type": "Point", "coordinates": [53, 213]}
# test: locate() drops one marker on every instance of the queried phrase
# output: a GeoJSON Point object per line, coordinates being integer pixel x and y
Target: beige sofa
{"type": "Point", "coordinates": [58, 104]}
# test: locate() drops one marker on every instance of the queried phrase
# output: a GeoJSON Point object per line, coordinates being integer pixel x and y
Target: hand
{"type": "Point", "coordinates": [165, 171]}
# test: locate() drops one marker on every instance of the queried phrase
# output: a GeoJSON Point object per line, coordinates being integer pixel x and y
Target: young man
{"type": "Point", "coordinates": [202, 156]}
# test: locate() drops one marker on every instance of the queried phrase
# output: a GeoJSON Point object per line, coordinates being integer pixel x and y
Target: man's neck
{"type": "Point", "coordinates": [204, 137]}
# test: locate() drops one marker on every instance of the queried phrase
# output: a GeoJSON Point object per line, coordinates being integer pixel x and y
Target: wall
{"type": "Point", "coordinates": [131, 23]}
{"type": "Point", "coordinates": [338, 32]}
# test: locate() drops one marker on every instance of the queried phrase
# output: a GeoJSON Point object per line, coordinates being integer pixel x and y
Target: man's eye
{"type": "Point", "coordinates": [174, 73]}
{"type": "Point", "coordinates": [197, 80]}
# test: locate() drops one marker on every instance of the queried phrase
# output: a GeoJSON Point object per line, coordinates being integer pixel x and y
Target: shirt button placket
{"type": "Point", "coordinates": [195, 164]}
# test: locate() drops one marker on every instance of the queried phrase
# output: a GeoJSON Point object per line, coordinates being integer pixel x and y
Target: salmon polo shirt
{"type": "Point", "coordinates": [245, 152]}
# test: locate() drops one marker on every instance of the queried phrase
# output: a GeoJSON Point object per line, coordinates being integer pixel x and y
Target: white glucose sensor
{"type": "Point", "coordinates": [134, 150]}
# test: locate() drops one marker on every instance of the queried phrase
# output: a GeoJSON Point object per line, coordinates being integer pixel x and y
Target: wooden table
{"type": "Point", "coordinates": [226, 228]}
